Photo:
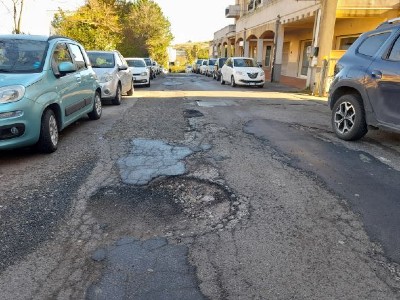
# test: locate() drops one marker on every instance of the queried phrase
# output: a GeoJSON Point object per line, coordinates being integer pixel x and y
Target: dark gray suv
{"type": "Point", "coordinates": [365, 91]}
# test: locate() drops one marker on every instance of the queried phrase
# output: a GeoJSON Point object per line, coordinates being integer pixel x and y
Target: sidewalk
{"type": "Point", "coordinates": [285, 87]}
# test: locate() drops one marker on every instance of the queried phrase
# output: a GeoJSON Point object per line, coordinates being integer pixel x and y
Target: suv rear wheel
{"type": "Point", "coordinates": [348, 118]}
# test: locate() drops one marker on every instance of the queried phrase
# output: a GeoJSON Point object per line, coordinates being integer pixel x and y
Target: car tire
{"type": "Point", "coordinates": [148, 84]}
{"type": "Point", "coordinates": [95, 114]}
{"type": "Point", "coordinates": [348, 118]}
{"type": "Point", "coordinates": [130, 92]}
{"type": "Point", "coordinates": [118, 96]}
{"type": "Point", "coordinates": [222, 80]}
{"type": "Point", "coordinates": [48, 139]}
{"type": "Point", "coordinates": [260, 86]}
{"type": "Point", "coordinates": [233, 83]}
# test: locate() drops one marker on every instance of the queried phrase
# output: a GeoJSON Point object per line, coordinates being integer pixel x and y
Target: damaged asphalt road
{"type": "Point", "coordinates": [193, 190]}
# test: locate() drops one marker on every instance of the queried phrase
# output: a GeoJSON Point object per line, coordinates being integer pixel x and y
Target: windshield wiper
{"type": "Point", "coordinates": [5, 71]}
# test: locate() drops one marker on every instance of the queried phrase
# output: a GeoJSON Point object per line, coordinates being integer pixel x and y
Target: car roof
{"type": "Point", "coordinates": [101, 51]}
{"type": "Point", "coordinates": [241, 57]}
{"type": "Point", "coordinates": [389, 23]}
{"type": "Point", "coordinates": [34, 37]}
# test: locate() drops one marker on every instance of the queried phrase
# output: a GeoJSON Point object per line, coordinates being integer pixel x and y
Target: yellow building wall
{"type": "Point", "coordinates": [295, 39]}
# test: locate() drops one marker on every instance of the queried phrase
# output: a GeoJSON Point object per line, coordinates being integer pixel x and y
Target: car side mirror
{"type": "Point", "coordinates": [66, 67]}
{"type": "Point", "coordinates": [123, 67]}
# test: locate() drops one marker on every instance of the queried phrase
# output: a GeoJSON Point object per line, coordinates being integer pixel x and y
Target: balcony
{"type": "Point", "coordinates": [232, 11]}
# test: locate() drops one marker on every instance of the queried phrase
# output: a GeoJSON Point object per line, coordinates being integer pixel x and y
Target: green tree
{"type": "Point", "coordinates": [135, 28]}
{"type": "Point", "coordinates": [96, 25]}
{"type": "Point", "coordinates": [146, 31]}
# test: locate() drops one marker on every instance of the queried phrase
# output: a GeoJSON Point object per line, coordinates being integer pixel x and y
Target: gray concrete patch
{"type": "Point", "coordinates": [150, 269]}
{"type": "Point", "coordinates": [216, 103]}
{"type": "Point", "coordinates": [172, 83]}
{"type": "Point", "coordinates": [150, 159]}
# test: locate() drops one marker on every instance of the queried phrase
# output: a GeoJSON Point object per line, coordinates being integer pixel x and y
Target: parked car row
{"type": "Point", "coordinates": [113, 73]}
{"type": "Point", "coordinates": [47, 83]}
{"type": "Point", "coordinates": [233, 70]}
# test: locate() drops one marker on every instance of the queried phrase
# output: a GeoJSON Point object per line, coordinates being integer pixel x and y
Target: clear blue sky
{"type": "Point", "coordinates": [190, 19]}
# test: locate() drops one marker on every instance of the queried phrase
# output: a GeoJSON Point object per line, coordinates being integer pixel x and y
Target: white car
{"type": "Point", "coordinates": [188, 69]}
{"type": "Point", "coordinates": [203, 66]}
{"type": "Point", "coordinates": [242, 71]}
{"type": "Point", "coordinates": [113, 73]}
{"type": "Point", "coordinates": [210, 67]}
{"type": "Point", "coordinates": [140, 72]}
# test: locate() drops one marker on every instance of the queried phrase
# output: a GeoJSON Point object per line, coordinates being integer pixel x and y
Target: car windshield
{"type": "Point", "coordinates": [137, 63]}
{"type": "Point", "coordinates": [101, 59]}
{"type": "Point", "coordinates": [244, 62]}
{"type": "Point", "coordinates": [148, 61]}
{"type": "Point", "coordinates": [22, 56]}
{"type": "Point", "coordinates": [221, 62]}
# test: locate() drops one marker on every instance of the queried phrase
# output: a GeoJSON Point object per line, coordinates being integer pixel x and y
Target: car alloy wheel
{"type": "Point", "coordinates": [95, 114]}
{"type": "Point", "coordinates": [348, 118]}
{"type": "Point", "coordinates": [48, 139]}
{"type": "Point", "coordinates": [118, 96]}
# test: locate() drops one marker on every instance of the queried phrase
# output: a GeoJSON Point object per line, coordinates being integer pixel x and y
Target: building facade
{"type": "Point", "coordinates": [299, 39]}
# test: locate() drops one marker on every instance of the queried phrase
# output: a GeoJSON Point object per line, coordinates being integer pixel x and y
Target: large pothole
{"type": "Point", "coordinates": [172, 207]}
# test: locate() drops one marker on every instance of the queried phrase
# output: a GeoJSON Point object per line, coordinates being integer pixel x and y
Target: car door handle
{"type": "Point", "coordinates": [376, 74]}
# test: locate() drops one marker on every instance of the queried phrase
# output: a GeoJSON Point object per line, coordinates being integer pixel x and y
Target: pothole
{"type": "Point", "coordinates": [170, 207]}
{"type": "Point", "coordinates": [192, 113]}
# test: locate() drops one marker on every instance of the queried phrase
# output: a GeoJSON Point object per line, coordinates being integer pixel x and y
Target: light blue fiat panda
{"type": "Point", "coordinates": [46, 83]}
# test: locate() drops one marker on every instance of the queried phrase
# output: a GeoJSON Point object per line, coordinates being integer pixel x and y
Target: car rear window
{"type": "Point", "coordinates": [101, 60]}
{"type": "Point", "coordinates": [136, 63]}
{"type": "Point", "coordinates": [372, 44]}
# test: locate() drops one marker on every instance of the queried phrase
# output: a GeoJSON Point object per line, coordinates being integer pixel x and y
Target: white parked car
{"type": "Point", "coordinates": [188, 69]}
{"type": "Point", "coordinates": [113, 73]}
{"type": "Point", "coordinates": [140, 72]}
{"type": "Point", "coordinates": [203, 66]}
{"type": "Point", "coordinates": [242, 71]}
{"type": "Point", "coordinates": [210, 67]}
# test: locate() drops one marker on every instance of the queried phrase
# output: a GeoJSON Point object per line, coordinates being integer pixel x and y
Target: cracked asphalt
{"type": "Point", "coordinates": [193, 190]}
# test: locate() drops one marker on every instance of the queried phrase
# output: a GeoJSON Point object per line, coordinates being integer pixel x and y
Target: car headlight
{"type": "Point", "coordinates": [11, 93]}
{"type": "Point", "coordinates": [105, 78]}
{"type": "Point", "coordinates": [262, 73]}
{"type": "Point", "coordinates": [143, 74]}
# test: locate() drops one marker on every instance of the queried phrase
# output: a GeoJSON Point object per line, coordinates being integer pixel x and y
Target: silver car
{"type": "Point", "coordinates": [114, 75]}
